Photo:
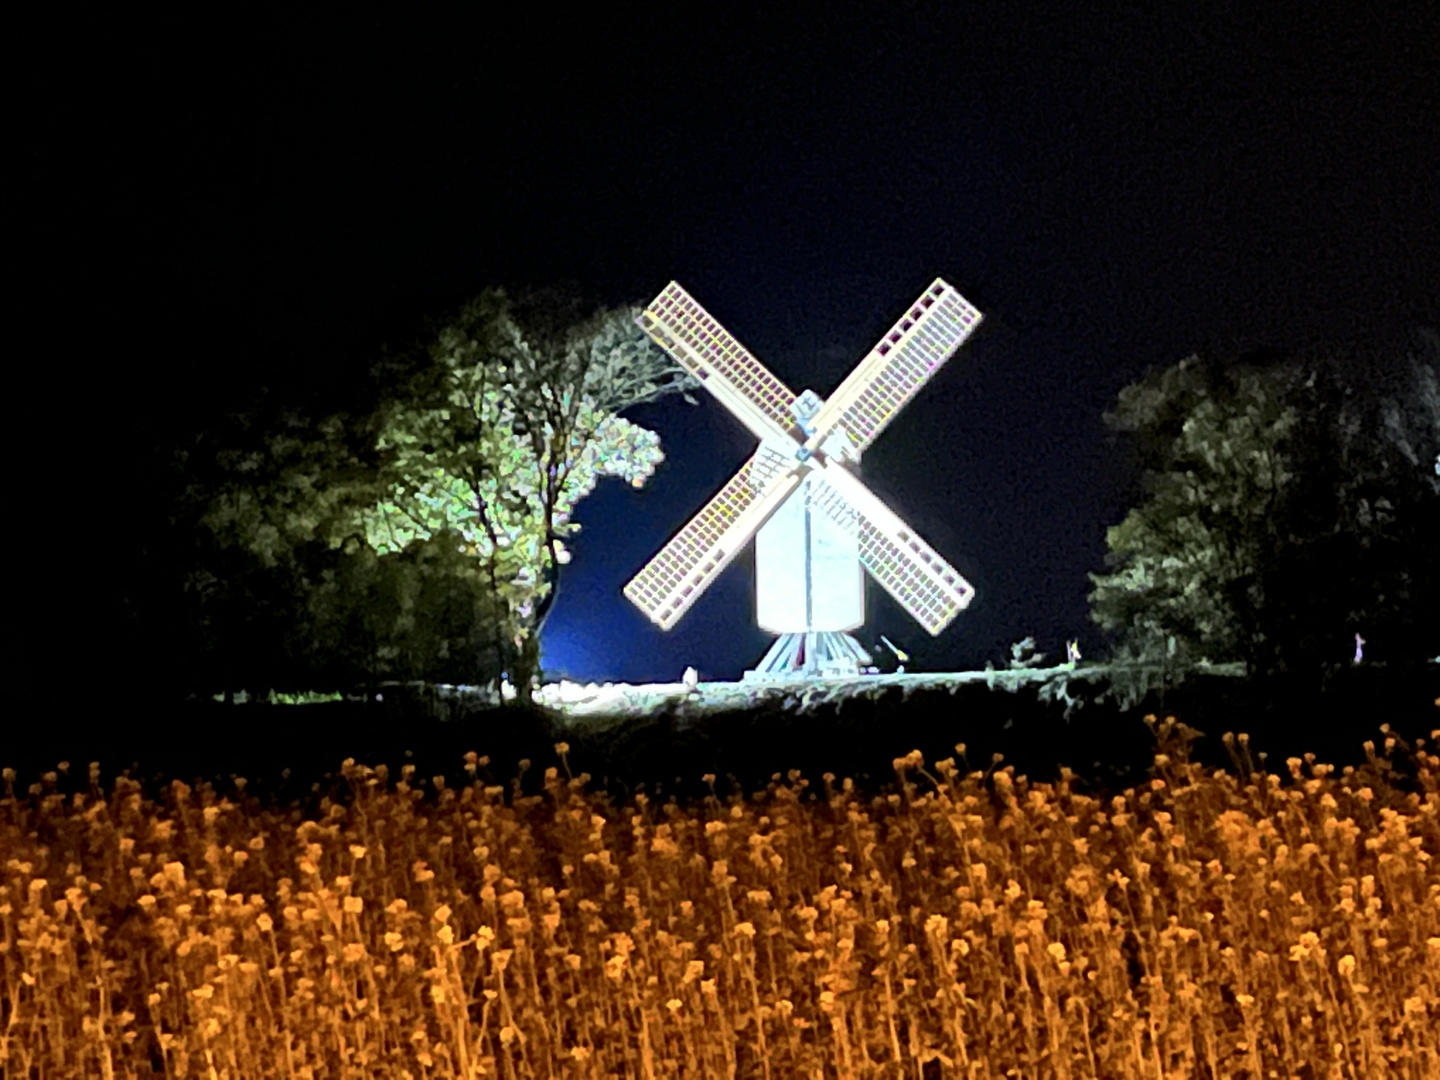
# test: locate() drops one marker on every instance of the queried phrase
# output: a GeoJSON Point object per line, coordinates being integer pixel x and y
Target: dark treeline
{"type": "Point", "coordinates": [1284, 503]}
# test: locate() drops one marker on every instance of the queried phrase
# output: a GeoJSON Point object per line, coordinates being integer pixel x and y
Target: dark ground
{"type": "Point", "coordinates": [294, 752]}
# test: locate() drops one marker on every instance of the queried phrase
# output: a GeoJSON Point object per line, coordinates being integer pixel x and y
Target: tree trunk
{"type": "Point", "coordinates": [524, 667]}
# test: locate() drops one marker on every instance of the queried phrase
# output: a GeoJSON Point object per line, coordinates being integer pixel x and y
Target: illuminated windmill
{"type": "Point", "coordinates": [815, 525]}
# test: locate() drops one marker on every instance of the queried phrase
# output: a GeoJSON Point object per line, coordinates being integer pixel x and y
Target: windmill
{"type": "Point", "coordinates": [815, 525]}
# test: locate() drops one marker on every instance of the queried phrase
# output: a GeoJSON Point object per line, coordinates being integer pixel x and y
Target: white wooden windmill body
{"type": "Point", "coordinates": [816, 527]}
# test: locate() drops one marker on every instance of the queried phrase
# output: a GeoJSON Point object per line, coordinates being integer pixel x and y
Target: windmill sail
{"type": "Point", "coordinates": [698, 343]}
{"type": "Point", "coordinates": [674, 579]}
{"type": "Point", "coordinates": [893, 372]}
{"type": "Point", "coordinates": [931, 590]}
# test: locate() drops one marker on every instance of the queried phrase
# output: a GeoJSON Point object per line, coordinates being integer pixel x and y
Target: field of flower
{"type": "Point", "coordinates": [965, 923]}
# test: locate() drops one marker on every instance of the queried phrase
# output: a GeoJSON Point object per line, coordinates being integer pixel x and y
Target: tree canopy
{"type": "Point", "coordinates": [420, 539]}
{"type": "Point", "coordinates": [1362, 519]}
{"type": "Point", "coordinates": [507, 423]}
{"type": "Point", "coordinates": [1287, 502]}
{"type": "Point", "coordinates": [1185, 578]}
{"type": "Point", "coordinates": [281, 592]}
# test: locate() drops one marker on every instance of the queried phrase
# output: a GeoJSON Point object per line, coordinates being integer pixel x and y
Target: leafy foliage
{"type": "Point", "coordinates": [422, 613]}
{"type": "Point", "coordinates": [1286, 502]}
{"type": "Point", "coordinates": [285, 594]}
{"type": "Point", "coordinates": [1185, 564]}
{"type": "Point", "coordinates": [264, 490]}
{"type": "Point", "coordinates": [508, 423]}
{"type": "Point", "coordinates": [1362, 519]}
{"type": "Point", "coordinates": [1023, 654]}
{"type": "Point", "coordinates": [289, 479]}
{"type": "Point", "coordinates": [420, 539]}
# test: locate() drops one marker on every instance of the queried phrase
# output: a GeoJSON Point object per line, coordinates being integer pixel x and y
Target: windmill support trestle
{"type": "Point", "coordinates": [824, 654]}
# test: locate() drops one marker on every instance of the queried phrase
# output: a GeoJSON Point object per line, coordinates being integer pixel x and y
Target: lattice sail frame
{"type": "Point", "coordinates": [909, 569]}
{"type": "Point", "coordinates": [894, 371]}
{"type": "Point", "coordinates": [899, 365]}
{"type": "Point", "coordinates": [674, 579]}
{"type": "Point", "coordinates": [703, 347]}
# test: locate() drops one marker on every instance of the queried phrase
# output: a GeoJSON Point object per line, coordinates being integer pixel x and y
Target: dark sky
{"type": "Point", "coordinates": [214, 207]}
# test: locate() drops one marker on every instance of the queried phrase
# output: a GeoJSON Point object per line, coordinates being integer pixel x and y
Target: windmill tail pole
{"type": "Point", "coordinates": [900, 654]}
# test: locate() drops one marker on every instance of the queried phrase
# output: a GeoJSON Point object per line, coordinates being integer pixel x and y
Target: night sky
{"type": "Point", "coordinates": [210, 208]}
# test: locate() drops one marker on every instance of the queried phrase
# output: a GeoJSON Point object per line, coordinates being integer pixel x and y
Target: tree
{"type": "Point", "coordinates": [1361, 521]}
{"type": "Point", "coordinates": [424, 613]}
{"type": "Point", "coordinates": [283, 591]}
{"type": "Point", "coordinates": [266, 489]}
{"type": "Point", "coordinates": [1289, 501]}
{"type": "Point", "coordinates": [1185, 581]}
{"type": "Point", "coordinates": [508, 422]}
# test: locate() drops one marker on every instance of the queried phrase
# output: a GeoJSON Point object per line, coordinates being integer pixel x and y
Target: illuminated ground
{"type": "Point", "coordinates": [624, 699]}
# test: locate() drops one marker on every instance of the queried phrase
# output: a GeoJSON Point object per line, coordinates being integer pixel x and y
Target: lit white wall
{"type": "Point", "coordinates": [837, 582]}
